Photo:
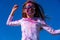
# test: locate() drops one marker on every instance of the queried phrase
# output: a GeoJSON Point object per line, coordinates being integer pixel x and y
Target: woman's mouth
{"type": "Point", "coordinates": [29, 12]}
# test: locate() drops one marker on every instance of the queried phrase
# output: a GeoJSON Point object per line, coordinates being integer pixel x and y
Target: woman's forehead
{"type": "Point", "coordinates": [29, 4]}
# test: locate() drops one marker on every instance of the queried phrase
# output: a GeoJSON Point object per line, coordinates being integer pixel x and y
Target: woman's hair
{"type": "Point", "coordinates": [38, 11]}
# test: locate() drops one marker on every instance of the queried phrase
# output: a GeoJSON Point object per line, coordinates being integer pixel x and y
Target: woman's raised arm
{"type": "Point", "coordinates": [9, 20]}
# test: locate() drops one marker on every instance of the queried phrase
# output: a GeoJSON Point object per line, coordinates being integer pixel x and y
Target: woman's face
{"type": "Point", "coordinates": [29, 9]}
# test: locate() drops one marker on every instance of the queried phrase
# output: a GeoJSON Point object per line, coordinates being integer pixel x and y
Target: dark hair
{"type": "Point", "coordinates": [38, 11]}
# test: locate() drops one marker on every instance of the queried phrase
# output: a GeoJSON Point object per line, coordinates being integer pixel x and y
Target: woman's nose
{"type": "Point", "coordinates": [28, 9]}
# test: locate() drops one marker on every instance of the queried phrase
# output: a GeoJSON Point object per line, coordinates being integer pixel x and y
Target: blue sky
{"type": "Point", "coordinates": [51, 8]}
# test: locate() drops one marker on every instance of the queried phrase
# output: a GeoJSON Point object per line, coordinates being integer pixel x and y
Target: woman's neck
{"type": "Point", "coordinates": [29, 16]}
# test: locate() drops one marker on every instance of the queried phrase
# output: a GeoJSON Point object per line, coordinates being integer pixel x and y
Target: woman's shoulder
{"type": "Point", "coordinates": [20, 19]}
{"type": "Point", "coordinates": [39, 19]}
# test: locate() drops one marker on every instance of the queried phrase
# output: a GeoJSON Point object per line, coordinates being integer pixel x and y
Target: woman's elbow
{"type": "Point", "coordinates": [8, 23]}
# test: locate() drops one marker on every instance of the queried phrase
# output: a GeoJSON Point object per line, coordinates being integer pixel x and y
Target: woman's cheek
{"type": "Point", "coordinates": [24, 11]}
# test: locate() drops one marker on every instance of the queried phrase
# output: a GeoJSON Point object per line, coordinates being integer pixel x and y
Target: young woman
{"type": "Point", "coordinates": [33, 20]}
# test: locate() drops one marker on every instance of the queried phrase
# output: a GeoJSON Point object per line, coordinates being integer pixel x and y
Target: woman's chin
{"type": "Point", "coordinates": [29, 14]}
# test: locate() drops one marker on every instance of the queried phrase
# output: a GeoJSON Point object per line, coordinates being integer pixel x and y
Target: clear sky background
{"type": "Point", "coordinates": [51, 8]}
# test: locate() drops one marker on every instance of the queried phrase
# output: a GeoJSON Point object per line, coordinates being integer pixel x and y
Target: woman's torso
{"type": "Point", "coordinates": [30, 28]}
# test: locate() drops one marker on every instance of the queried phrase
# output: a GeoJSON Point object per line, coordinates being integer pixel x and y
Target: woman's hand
{"type": "Point", "coordinates": [15, 7]}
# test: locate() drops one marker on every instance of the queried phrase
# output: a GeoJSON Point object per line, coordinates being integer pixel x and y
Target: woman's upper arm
{"type": "Point", "coordinates": [49, 29]}
{"type": "Point", "coordinates": [11, 22]}
{"type": "Point", "coordinates": [14, 23]}
{"type": "Point", "coordinates": [46, 27]}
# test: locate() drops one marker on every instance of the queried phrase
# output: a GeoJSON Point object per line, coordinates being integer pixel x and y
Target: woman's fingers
{"type": "Point", "coordinates": [15, 7]}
